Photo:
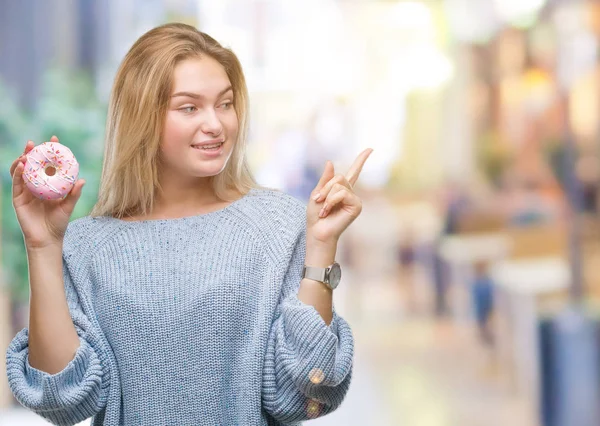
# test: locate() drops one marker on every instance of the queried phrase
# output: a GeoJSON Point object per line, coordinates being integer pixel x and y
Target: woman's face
{"type": "Point", "coordinates": [200, 111]}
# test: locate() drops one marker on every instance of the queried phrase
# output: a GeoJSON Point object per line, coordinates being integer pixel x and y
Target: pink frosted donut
{"type": "Point", "coordinates": [50, 171]}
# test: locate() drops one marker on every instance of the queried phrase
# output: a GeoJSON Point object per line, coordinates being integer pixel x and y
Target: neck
{"type": "Point", "coordinates": [184, 198]}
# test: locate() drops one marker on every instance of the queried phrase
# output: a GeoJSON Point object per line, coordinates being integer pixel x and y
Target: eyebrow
{"type": "Point", "coordinates": [197, 96]}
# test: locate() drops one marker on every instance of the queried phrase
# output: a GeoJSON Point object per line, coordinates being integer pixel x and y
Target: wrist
{"type": "Point", "coordinates": [37, 248]}
{"type": "Point", "coordinates": [320, 254]}
{"type": "Point", "coordinates": [312, 241]}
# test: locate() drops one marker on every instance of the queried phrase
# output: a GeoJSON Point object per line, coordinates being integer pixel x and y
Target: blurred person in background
{"type": "Point", "coordinates": [406, 257]}
{"type": "Point", "coordinates": [454, 203]}
{"type": "Point", "coordinates": [483, 301]}
{"type": "Point", "coordinates": [182, 298]}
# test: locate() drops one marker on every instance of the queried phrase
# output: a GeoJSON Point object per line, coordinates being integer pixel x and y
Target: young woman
{"type": "Point", "coordinates": [183, 298]}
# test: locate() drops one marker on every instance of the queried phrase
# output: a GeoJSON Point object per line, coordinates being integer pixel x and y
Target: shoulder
{"type": "Point", "coordinates": [276, 208]}
{"type": "Point", "coordinates": [275, 203]}
{"type": "Point", "coordinates": [85, 235]}
{"type": "Point", "coordinates": [280, 218]}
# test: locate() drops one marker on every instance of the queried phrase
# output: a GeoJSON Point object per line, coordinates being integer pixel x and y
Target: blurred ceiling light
{"type": "Point", "coordinates": [323, 59]}
{"type": "Point", "coordinates": [471, 20]}
{"type": "Point", "coordinates": [409, 15]}
{"type": "Point", "coordinates": [519, 12]}
{"type": "Point", "coordinates": [420, 67]}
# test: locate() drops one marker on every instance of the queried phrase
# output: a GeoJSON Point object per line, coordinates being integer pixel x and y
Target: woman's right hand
{"type": "Point", "coordinates": [43, 222]}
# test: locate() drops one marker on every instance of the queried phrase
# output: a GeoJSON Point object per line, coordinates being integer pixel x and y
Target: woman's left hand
{"type": "Point", "coordinates": [337, 205]}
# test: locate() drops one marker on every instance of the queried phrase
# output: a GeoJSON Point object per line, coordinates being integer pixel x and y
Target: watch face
{"type": "Point", "coordinates": [335, 275]}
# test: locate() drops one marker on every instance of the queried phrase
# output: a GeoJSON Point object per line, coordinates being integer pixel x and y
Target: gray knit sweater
{"type": "Point", "coordinates": [191, 321]}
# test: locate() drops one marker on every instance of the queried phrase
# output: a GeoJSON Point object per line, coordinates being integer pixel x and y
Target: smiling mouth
{"type": "Point", "coordinates": [213, 147]}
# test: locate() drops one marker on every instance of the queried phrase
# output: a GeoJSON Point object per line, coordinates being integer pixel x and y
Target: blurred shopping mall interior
{"type": "Point", "coordinates": [471, 279]}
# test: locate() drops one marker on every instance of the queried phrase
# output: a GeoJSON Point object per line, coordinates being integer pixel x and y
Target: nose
{"type": "Point", "coordinates": [210, 123]}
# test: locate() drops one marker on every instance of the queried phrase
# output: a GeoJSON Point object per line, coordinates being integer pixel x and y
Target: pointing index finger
{"type": "Point", "coordinates": [356, 168]}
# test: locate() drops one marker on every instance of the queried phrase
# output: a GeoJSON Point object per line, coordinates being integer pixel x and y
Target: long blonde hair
{"type": "Point", "coordinates": [136, 118]}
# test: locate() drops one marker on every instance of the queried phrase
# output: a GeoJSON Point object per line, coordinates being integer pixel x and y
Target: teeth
{"type": "Point", "coordinates": [209, 146]}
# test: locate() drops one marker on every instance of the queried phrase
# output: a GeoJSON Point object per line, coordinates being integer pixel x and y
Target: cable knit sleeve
{"type": "Point", "coordinates": [80, 390]}
{"type": "Point", "coordinates": [308, 365]}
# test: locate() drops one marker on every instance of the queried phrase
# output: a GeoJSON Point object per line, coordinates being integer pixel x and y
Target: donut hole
{"type": "Point", "coordinates": [50, 170]}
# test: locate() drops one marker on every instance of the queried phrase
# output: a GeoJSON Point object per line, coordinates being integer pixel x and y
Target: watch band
{"type": "Point", "coordinates": [313, 273]}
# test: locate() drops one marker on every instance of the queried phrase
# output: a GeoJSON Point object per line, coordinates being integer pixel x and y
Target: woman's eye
{"type": "Point", "coordinates": [188, 109]}
{"type": "Point", "coordinates": [226, 105]}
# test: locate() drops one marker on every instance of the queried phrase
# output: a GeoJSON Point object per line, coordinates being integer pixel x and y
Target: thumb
{"type": "Point", "coordinates": [327, 175]}
{"type": "Point", "coordinates": [73, 196]}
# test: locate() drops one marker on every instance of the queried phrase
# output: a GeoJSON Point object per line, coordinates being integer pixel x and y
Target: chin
{"type": "Point", "coordinates": [209, 166]}
{"type": "Point", "coordinates": [210, 171]}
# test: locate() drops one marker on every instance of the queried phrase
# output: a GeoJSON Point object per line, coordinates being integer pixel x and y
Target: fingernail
{"type": "Point", "coordinates": [316, 197]}
{"type": "Point", "coordinates": [323, 211]}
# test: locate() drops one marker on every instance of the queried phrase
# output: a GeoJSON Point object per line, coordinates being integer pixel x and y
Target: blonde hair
{"type": "Point", "coordinates": [136, 118]}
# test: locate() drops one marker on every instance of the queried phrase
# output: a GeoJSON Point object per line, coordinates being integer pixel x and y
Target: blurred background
{"type": "Point", "coordinates": [470, 278]}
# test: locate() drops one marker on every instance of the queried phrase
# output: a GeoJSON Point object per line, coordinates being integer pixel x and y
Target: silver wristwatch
{"type": "Point", "coordinates": [329, 276]}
